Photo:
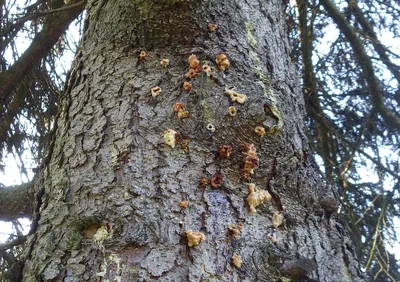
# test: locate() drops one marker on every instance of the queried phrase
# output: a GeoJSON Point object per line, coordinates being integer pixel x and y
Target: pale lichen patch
{"type": "Point", "coordinates": [111, 259]}
{"type": "Point", "coordinates": [102, 234]}
{"type": "Point", "coordinates": [250, 37]}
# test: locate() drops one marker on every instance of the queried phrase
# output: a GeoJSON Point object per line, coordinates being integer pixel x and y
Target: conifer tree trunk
{"type": "Point", "coordinates": [110, 212]}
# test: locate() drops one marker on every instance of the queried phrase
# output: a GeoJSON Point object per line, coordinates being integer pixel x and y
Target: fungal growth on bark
{"type": "Point", "coordinates": [185, 144]}
{"type": "Point", "coordinates": [256, 197]}
{"type": "Point", "coordinates": [225, 151]}
{"type": "Point", "coordinates": [164, 62]}
{"type": "Point", "coordinates": [207, 70]}
{"type": "Point", "coordinates": [210, 127]}
{"type": "Point", "coordinates": [155, 91]}
{"type": "Point", "coordinates": [187, 86]}
{"type": "Point", "coordinates": [259, 130]}
{"type": "Point", "coordinates": [222, 62]}
{"type": "Point", "coordinates": [237, 260]}
{"type": "Point", "coordinates": [204, 182]}
{"type": "Point", "coordinates": [143, 55]}
{"type": "Point", "coordinates": [170, 137]}
{"type": "Point", "coordinates": [232, 111]}
{"type": "Point", "coordinates": [216, 180]}
{"type": "Point", "coordinates": [212, 27]}
{"type": "Point", "coordinates": [194, 65]}
{"type": "Point", "coordinates": [235, 96]}
{"type": "Point", "coordinates": [277, 219]}
{"type": "Point", "coordinates": [250, 160]}
{"type": "Point", "coordinates": [115, 160]}
{"type": "Point", "coordinates": [179, 108]}
{"type": "Point", "coordinates": [192, 73]}
{"type": "Point", "coordinates": [235, 231]}
{"type": "Point", "coordinates": [194, 238]}
{"type": "Point", "coordinates": [183, 204]}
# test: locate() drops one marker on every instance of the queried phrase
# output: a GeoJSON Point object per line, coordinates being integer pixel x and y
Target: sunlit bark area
{"type": "Point", "coordinates": [138, 187]}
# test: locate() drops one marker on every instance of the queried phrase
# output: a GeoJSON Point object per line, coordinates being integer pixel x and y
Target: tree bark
{"type": "Point", "coordinates": [112, 187]}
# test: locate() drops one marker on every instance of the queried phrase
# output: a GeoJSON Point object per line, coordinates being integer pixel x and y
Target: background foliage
{"type": "Point", "coordinates": [348, 60]}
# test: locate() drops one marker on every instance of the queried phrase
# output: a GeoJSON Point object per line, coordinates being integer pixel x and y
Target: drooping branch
{"type": "Point", "coordinates": [54, 26]}
{"type": "Point", "coordinates": [8, 245]}
{"type": "Point", "coordinates": [364, 61]}
{"type": "Point", "coordinates": [378, 46]}
{"type": "Point", "coordinates": [21, 21]}
{"type": "Point", "coordinates": [313, 105]}
{"type": "Point", "coordinates": [16, 201]}
{"type": "Point", "coordinates": [12, 110]}
{"type": "Point", "coordinates": [335, 131]}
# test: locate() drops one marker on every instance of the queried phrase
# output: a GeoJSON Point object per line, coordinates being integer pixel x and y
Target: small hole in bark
{"type": "Point", "coordinates": [91, 229]}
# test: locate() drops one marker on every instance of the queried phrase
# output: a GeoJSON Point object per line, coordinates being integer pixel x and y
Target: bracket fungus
{"type": "Point", "coordinates": [257, 197]}
{"type": "Point", "coordinates": [187, 86]}
{"type": "Point", "coordinates": [235, 96]}
{"type": "Point", "coordinates": [194, 238]}
{"type": "Point", "coordinates": [192, 73]}
{"type": "Point", "coordinates": [155, 91]}
{"type": "Point", "coordinates": [143, 55]}
{"type": "Point", "coordinates": [222, 62]}
{"type": "Point", "coordinates": [259, 130]}
{"type": "Point", "coordinates": [225, 151]}
{"type": "Point", "coordinates": [250, 160]}
{"type": "Point", "coordinates": [179, 108]}
{"type": "Point", "coordinates": [164, 62]}
{"type": "Point", "coordinates": [194, 63]}
{"type": "Point", "coordinates": [183, 114]}
{"type": "Point", "coordinates": [235, 231]}
{"type": "Point", "coordinates": [232, 111]}
{"type": "Point", "coordinates": [210, 127]}
{"type": "Point", "coordinates": [207, 69]}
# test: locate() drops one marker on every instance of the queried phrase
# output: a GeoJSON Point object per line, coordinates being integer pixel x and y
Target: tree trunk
{"type": "Point", "coordinates": [111, 189]}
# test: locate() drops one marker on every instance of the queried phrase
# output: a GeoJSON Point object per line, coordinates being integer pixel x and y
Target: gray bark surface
{"type": "Point", "coordinates": [110, 206]}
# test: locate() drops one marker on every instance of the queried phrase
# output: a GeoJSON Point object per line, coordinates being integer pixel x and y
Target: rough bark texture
{"type": "Point", "coordinates": [110, 208]}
